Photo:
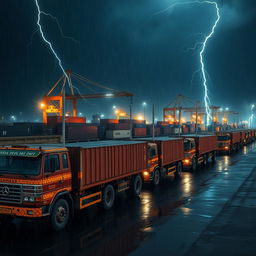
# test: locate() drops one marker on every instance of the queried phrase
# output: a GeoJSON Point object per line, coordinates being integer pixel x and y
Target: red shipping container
{"type": "Point", "coordinates": [133, 121]}
{"type": "Point", "coordinates": [242, 135]}
{"type": "Point", "coordinates": [54, 120]}
{"type": "Point", "coordinates": [163, 123]}
{"type": "Point", "coordinates": [150, 131]}
{"type": "Point", "coordinates": [104, 122]}
{"type": "Point", "coordinates": [95, 163]}
{"type": "Point", "coordinates": [166, 130]}
{"type": "Point", "coordinates": [185, 129]}
{"type": "Point", "coordinates": [122, 126]}
{"type": "Point", "coordinates": [139, 132]}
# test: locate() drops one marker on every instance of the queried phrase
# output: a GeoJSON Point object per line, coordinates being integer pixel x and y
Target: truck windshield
{"type": "Point", "coordinates": [19, 165]}
{"type": "Point", "coordinates": [223, 137]}
{"type": "Point", "coordinates": [187, 145]}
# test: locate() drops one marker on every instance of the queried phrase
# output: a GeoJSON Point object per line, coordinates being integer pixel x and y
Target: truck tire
{"type": "Point", "coordinates": [136, 186]}
{"type": "Point", "coordinates": [60, 214]}
{"type": "Point", "coordinates": [108, 197]}
{"type": "Point", "coordinates": [178, 172]}
{"type": "Point", "coordinates": [205, 159]}
{"type": "Point", "coordinates": [194, 165]}
{"type": "Point", "coordinates": [156, 177]}
{"type": "Point", "coordinates": [213, 156]}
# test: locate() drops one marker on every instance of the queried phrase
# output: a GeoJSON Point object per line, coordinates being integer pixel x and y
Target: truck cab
{"type": "Point", "coordinates": [164, 157]}
{"type": "Point", "coordinates": [223, 141]}
{"type": "Point", "coordinates": [190, 152]}
{"type": "Point", "coordinates": [153, 162]}
{"type": "Point", "coordinates": [32, 182]}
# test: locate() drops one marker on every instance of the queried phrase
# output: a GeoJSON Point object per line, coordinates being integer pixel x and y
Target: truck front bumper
{"type": "Point", "coordinates": [26, 212]}
{"type": "Point", "coordinates": [223, 149]}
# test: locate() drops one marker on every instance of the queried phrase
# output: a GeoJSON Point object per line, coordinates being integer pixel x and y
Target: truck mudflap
{"type": "Point", "coordinates": [15, 211]}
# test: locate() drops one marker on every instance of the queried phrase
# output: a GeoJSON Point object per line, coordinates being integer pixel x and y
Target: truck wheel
{"type": "Point", "coordinates": [213, 156]}
{"type": "Point", "coordinates": [194, 165]}
{"type": "Point", "coordinates": [60, 214]}
{"type": "Point", "coordinates": [178, 172]}
{"type": "Point", "coordinates": [136, 186]}
{"type": "Point", "coordinates": [205, 159]}
{"type": "Point", "coordinates": [156, 178]}
{"type": "Point", "coordinates": [108, 197]}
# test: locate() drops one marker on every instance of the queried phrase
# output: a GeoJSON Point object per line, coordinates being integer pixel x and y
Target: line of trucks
{"type": "Point", "coordinates": [50, 180]}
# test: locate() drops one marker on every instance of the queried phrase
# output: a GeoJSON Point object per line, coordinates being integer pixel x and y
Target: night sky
{"type": "Point", "coordinates": [123, 45]}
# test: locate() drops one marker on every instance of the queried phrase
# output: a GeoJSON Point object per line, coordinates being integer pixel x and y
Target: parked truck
{"type": "Point", "coordinates": [52, 180]}
{"type": "Point", "coordinates": [199, 149]}
{"type": "Point", "coordinates": [165, 155]}
{"type": "Point", "coordinates": [229, 141]}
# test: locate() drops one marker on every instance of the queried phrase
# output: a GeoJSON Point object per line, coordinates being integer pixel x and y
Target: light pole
{"type": "Point", "coordinates": [144, 104]}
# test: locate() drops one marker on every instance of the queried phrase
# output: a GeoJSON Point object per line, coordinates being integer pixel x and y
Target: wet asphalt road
{"type": "Point", "coordinates": [166, 220]}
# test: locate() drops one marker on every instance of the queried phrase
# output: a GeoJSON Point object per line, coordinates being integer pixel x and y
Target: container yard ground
{"type": "Point", "coordinates": [209, 212]}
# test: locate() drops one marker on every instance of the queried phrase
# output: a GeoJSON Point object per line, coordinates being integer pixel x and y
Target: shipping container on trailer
{"type": "Point", "coordinates": [100, 162]}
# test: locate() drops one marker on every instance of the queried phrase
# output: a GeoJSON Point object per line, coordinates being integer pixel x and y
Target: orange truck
{"type": "Point", "coordinates": [55, 181]}
{"type": "Point", "coordinates": [165, 156]}
{"type": "Point", "coordinates": [229, 141]}
{"type": "Point", "coordinates": [199, 149]}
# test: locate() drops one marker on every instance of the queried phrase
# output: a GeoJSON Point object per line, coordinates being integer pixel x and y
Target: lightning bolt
{"type": "Point", "coordinates": [203, 45]}
{"type": "Point", "coordinates": [48, 42]}
{"type": "Point", "coordinates": [206, 96]}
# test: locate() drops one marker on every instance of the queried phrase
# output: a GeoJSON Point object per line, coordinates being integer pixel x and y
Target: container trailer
{"type": "Point", "coordinates": [199, 149]}
{"type": "Point", "coordinates": [50, 180]}
{"type": "Point", "coordinates": [165, 157]}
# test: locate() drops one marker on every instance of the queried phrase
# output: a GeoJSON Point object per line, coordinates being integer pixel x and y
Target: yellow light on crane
{"type": "Point", "coordinates": [139, 117]}
{"type": "Point", "coordinates": [42, 105]}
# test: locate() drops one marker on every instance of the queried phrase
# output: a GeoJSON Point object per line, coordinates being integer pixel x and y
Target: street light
{"type": "Point", "coordinates": [102, 115]}
{"type": "Point", "coordinates": [114, 107]}
{"type": "Point", "coordinates": [13, 118]}
{"type": "Point", "coordinates": [227, 109]}
{"type": "Point", "coordinates": [144, 104]}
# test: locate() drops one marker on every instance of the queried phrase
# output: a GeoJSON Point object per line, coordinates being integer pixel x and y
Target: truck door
{"type": "Point", "coordinates": [53, 173]}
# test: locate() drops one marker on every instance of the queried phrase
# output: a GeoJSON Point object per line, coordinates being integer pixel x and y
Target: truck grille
{"type": "Point", "coordinates": [10, 193]}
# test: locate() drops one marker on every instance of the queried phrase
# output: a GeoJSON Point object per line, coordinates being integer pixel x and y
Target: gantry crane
{"type": "Point", "coordinates": [185, 104]}
{"type": "Point", "coordinates": [54, 103]}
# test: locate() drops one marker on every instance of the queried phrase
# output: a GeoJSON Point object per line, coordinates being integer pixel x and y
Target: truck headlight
{"type": "Point", "coordinates": [31, 192]}
{"type": "Point", "coordinates": [29, 199]}
{"type": "Point", "coordinates": [25, 198]}
{"type": "Point", "coordinates": [146, 173]}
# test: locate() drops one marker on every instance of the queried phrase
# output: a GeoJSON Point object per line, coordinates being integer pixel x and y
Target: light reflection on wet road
{"type": "Point", "coordinates": [131, 224]}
